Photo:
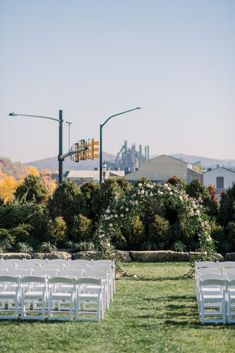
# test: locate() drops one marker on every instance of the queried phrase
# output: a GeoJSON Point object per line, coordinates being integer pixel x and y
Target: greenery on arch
{"type": "Point", "coordinates": [151, 216]}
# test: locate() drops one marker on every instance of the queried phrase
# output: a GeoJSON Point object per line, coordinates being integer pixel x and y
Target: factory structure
{"type": "Point", "coordinates": [129, 159]}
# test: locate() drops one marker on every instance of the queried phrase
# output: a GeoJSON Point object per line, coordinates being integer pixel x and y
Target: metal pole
{"type": "Point", "coordinates": [101, 155]}
{"type": "Point", "coordinates": [60, 146]}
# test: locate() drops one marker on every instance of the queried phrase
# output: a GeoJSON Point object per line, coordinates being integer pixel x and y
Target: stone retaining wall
{"type": "Point", "coordinates": [122, 256]}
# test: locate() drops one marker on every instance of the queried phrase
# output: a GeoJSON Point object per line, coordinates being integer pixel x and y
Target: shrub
{"type": "Point", "coordinates": [227, 207]}
{"type": "Point", "coordinates": [67, 202]}
{"type": "Point", "coordinates": [82, 228]}
{"type": "Point", "coordinates": [21, 233]}
{"type": "Point", "coordinates": [32, 189]}
{"type": "Point", "coordinates": [230, 230]}
{"type": "Point", "coordinates": [46, 247]}
{"type": "Point", "coordinates": [85, 246]}
{"type": "Point", "coordinates": [6, 240]}
{"type": "Point", "coordinates": [58, 229]}
{"type": "Point", "coordinates": [159, 231]}
{"type": "Point", "coordinates": [179, 246]}
{"type": "Point", "coordinates": [23, 247]}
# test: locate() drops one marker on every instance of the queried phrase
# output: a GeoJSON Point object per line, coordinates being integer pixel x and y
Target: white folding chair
{"type": "Point", "coordinates": [61, 298]}
{"type": "Point", "coordinates": [89, 305]}
{"type": "Point", "coordinates": [106, 284]}
{"type": "Point", "coordinates": [227, 265]}
{"type": "Point", "coordinates": [108, 265]}
{"type": "Point", "coordinates": [212, 300]}
{"type": "Point", "coordinates": [231, 299]}
{"type": "Point", "coordinates": [33, 298]}
{"type": "Point", "coordinates": [9, 297]}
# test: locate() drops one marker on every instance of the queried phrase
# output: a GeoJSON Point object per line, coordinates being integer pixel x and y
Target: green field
{"type": "Point", "coordinates": [154, 312]}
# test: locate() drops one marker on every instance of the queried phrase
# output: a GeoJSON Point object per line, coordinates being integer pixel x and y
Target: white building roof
{"type": "Point", "coordinates": [211, 171]}
{"type": "Point", "coordinates": [93, 174]}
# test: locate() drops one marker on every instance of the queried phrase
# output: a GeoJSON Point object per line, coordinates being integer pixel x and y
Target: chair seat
{"type": "Point", "coordinates": [34, 295]}
{"type": "Point", "coordinates": [88, 296]}
{"type": "Point", "coordinates": [8, 295]}
{"type": "Point", "coordinates": [214, 297]}
{"type": "Point", "coordinates": [60, 295]}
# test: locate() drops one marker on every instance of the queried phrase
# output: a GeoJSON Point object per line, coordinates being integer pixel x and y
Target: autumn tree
{"type": "Point", "coordinates": [8, 186]}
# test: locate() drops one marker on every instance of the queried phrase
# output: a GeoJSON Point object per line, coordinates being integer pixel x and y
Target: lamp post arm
{"type": "Point", "coordinates": [60, 121]}
{"type": "Point", "coordinates": [112, 116]}
{"type": "Point", "coordinates": [101, 138]}
{"type": "Point", "coordinates": [35, 116]}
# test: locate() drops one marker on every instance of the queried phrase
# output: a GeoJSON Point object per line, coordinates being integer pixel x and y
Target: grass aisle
{"type": "Point", "coordinates": [155, 312]}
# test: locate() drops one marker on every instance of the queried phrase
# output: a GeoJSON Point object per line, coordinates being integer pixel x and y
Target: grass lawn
{"type": "Point", "coordinates": [155, 312]}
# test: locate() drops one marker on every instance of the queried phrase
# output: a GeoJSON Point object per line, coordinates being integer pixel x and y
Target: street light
{"type": "Point", "coordinates": [60, 121]}
{"type": "Point", "coordinates": [101, 137]}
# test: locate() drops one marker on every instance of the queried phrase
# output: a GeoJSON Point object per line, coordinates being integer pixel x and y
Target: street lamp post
{"type": "Point", "coordinates": [60, 121]}
{"type": "Point", "coordinates": [101, 139]}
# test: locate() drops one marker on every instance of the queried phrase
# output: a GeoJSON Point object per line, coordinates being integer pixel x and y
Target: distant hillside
{"type": "Point", "coordinates": [52, 163]}
{"type": "Point", "coordinates": [206, 162]}
{"type": "Point", "coordinates": [14, 169]}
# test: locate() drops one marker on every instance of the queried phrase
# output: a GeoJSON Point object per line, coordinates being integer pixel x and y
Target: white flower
{"type": "Point", "coordinates": [122, 215]}
{"type": "Point", "coordinates": [139, 184]}
{"type": "Point", "coordinates": [110, 225]}
{"type": "Point", "coordinates": [116, 216]}
{"type": "Point", "coordinates": [108, 210]}
{"type": "Point", "coordinates": [127, 209]}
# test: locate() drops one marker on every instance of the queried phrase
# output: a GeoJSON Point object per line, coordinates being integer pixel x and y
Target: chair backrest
{"type": "Point", "coordinates": [207, 282]}
{"type": "Point", "coordinates": [13, 279]}
{"type": "Point", "coordinates": [9, 283]}
{"type": "Point", "coordinates": [92, 273]}
{"type": "Point", "coordinates": [205, 270]}
{"type": "Point", "coordinates": [88, 280]}
{"type": "Point", "coordinates": [208, 264]}
{"type": "Point", "coordinates": [211, 276]}
{"type": "Point", "coordinates": [34, 279]}
{"type": "Point", "coordinates": [227, 264]}
{"type": "Point", "coordinates": [60, 280]}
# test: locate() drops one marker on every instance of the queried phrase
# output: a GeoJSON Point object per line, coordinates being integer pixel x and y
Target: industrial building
{"type": "Point", "coordinates": [160, 169]}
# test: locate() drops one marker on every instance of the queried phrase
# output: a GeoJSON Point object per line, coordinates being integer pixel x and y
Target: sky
{"type": "Point", "coordinates": [95, 58]}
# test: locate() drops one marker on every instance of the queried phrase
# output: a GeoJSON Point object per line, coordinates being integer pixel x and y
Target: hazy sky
{"type": "Point", "coordinates": [95, 58]}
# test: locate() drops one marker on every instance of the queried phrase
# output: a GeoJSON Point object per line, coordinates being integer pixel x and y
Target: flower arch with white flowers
{"type": "Point", "coordinates": [147, 195]}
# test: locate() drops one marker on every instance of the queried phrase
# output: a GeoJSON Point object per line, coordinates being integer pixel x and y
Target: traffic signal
{"type": "Point", "coordinates": [83, 150]}
{"type": "Point", "coordinates": [94, 149]}
{"type": "Point", "coordinates": [76, 155]}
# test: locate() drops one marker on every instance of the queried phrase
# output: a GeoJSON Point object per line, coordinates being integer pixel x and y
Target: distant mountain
{"type": "Point", "coordinates": [52, 163]}
{"type": "Point", "coordinates": [206, 162]}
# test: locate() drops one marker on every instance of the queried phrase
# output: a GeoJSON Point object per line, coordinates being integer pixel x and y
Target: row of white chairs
{"type": "Point", "coordinates": [62, 268]}
{"type": "Point", "coordinates": [215, 291]}
{"type": "Point", "coordinates": [25, 271]}
{"type": "Point", "coordinates": [57, 298]}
